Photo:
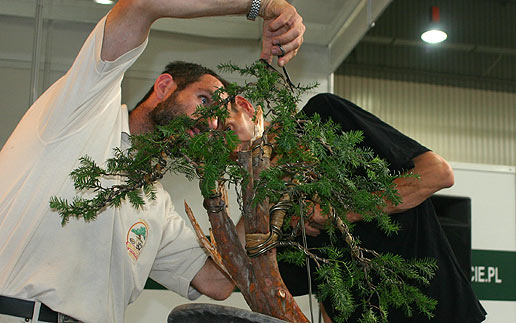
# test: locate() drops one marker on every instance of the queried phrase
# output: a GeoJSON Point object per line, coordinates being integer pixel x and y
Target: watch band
{"type": "Point", "coordinates": [255, 10]}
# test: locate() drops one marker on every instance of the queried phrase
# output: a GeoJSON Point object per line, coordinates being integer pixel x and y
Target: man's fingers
{"type": "Point", "coordinates": [267, 54]}
{"type": "Point", "coordinates": [354, 217]}
{"type": "Point", "coordinates": [288, 48]}
{"type": "Point", "coordinates": [317, 218]}
{"type": "Point", "coordinates": [287, 57]}
{"type": "Point", "coordinates": [290, 40]}
{"type": "Point", "coordinates": [285, 16]}
{"type": "Point", "coordinates": [282, 26]}
{"type": "Point", "coordinates": [193, 132]}
{"type": "Point", "coordinates": [284, 56]}
{"type": "Point", "coordinates": [311, 231]}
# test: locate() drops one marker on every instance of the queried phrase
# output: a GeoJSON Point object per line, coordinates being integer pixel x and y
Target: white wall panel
{"type": "Point", "coordinates": [461, 124]}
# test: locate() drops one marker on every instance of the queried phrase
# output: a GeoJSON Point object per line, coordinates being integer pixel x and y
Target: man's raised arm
{"type": "Point", "coordinates": [129, 22]}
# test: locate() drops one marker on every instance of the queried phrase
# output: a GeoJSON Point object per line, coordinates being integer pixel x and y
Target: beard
{"type": "Point", "coordinates": [167, 110]}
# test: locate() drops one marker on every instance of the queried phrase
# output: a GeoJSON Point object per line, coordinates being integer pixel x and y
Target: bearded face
{"type": "Point", "coordinates": [167, 110]}
{"type": "Point", "coordinates": [186, 100]}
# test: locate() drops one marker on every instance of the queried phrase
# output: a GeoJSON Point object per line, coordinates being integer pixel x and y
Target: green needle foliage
{"type": "Point", "coordinates": [314, 162]}
{"type": "Point", "coordinates": [167, 149]}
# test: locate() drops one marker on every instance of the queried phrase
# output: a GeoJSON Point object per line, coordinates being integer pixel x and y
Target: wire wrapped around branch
{"type": "Point", "coordinates": [214, 208]}
{"type": "Point", "coordinates": [259, 243]}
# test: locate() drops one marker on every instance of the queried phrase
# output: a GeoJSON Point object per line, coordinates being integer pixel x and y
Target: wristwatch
{"type": "Point", "coordinates": [255, 10]}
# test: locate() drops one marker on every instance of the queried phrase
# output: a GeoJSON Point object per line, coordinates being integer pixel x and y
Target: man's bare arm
{"type": "Point", "coordinates": [434, 174]}
{"type": "Point", "coordinates": [129, 22]}
{"type": "Point", "coordinates": [211, 281]}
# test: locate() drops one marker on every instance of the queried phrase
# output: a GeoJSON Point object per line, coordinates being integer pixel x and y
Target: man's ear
{"type": "Point", "coordinates": [245, 105]}
{"type": "Point", "coordinates": [164, 86]}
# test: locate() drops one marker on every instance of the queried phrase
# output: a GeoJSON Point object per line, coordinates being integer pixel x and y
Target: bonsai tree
{"type": "Point", "coordinates": [296, 165]}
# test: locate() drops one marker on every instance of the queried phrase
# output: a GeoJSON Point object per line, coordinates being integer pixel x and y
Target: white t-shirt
{"type": "Point", "coordinates": [90, 271]}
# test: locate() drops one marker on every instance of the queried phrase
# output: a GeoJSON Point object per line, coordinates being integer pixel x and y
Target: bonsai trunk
{"type": "Point", "coordinates": [257, 278]}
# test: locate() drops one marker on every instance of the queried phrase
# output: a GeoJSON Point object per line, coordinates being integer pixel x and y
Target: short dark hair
{"type": "Point", "coordinates": [184, 74]}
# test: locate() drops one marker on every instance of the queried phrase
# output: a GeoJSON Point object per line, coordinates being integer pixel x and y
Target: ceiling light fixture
{"type": "Point", "coordinates": [104, 1]}
{"type": "Point", "coordinates": [434, 34]}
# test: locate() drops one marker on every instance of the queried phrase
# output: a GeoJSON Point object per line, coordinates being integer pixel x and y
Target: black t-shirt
{"type": "Point", "coordinates": [420, 233]}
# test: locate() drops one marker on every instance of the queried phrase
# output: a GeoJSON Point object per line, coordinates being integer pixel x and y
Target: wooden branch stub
{"type": "Point", "coordinates": [209, 246]}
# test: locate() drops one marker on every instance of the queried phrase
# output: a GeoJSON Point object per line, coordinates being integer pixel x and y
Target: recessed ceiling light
{"type": "Point", "coordinates": [104, 1]}
{"type": "Point", "coordinates": [434, 36]}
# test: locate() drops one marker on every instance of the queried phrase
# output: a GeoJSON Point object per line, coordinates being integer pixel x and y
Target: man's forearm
{"type": "Point", "coordinates": [129, 22]}
{"type": "Point", "coordinates": [434, 174]}
{"type": "Point", "coordinates": [211, 280]}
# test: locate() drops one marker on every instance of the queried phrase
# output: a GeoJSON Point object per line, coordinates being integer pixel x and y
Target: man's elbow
{"type": "Point", "coordinates": [222, 293]}
{"type": "Point", "coordinates": [213, 282]}
{"type": "Point", "coordinates": [447, 177]}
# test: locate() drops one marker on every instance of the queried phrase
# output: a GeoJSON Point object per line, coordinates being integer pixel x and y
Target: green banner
{"type": "Point", "coordinates": [493, 274]}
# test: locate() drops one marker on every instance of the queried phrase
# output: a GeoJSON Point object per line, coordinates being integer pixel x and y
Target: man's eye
{"type": "Point", "coordinates": [204, 100]}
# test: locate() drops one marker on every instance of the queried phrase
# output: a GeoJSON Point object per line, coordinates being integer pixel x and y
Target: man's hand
{"type": "Point", "coordinates": [211, 280]}
{"type": "Point", "coordinates": [129, 22]}
{"type": "Point", "coordinates": [282, 25]}
{"type": "Point", "coordinates": [318, 221]}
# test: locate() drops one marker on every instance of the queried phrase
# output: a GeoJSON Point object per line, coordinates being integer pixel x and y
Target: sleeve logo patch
{"type": "Point", "coordinates": [136, 237]}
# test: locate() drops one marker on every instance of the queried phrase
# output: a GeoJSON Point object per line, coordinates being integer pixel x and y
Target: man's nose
{"type": "Point", "coordinates": [213, 123]}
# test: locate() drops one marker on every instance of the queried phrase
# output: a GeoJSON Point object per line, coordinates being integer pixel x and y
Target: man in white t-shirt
{"type": "Point", "coordinates": [92, 271]}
